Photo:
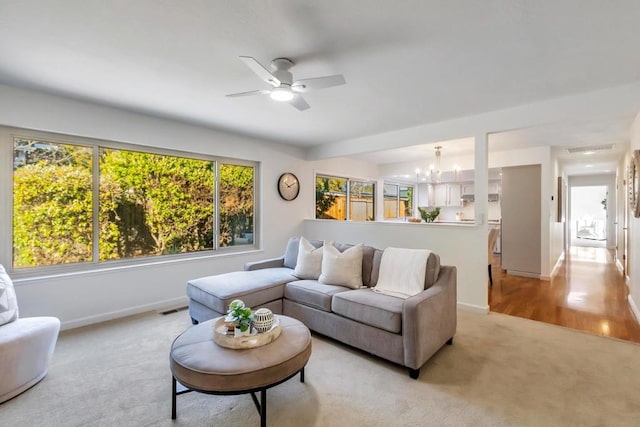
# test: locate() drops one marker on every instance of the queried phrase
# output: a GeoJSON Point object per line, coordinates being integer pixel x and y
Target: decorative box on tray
{"type": "Point", "coordinates": [254, 339]}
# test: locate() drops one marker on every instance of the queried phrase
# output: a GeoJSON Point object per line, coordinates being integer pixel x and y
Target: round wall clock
{"type": "Point", "coordinates": [288, 186]}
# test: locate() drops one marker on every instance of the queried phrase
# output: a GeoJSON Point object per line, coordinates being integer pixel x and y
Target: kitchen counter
{"type": "Point", "coordinates": [463, 222]}
{"type": "Point", "coordinates": [467, 221]}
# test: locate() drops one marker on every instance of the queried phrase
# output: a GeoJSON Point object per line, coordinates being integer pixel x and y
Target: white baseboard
{"type": "Point", "coordinates": [634, 308]}
{"type": "Point", "coordinates": [103, 317]}
{"type": "Point", "coordinates": [619, 265]}
{"type": "Point", "coordinates": [525, 274]}
{"type": "Point", "coordinates": [556, 267]}
{"type": "Point", "coordinates": [473, 307]}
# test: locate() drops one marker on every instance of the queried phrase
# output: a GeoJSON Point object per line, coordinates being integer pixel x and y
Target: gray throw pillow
{"type": "Point", "coordinates": [291, 253]}
{"type": "Point", "coordinates": [8, 301]}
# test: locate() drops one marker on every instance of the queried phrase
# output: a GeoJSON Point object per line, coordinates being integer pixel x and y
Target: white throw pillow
{"type": "Point", "coordinates": [8, 301]}
{"type": "Point", "coordinates": [342, 269]}
{"type": "Point", "coordinates": [309, 262]}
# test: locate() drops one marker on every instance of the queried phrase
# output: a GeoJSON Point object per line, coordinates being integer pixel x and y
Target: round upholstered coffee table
{"type": "Point", "coordinates": [199, 364]}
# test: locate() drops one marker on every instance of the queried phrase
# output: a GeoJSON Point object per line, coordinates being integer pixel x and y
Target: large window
{"type": "Point", "coordinates": [236, 205]}
{"type": "Point", "coordinates": [52, 203]}
{"type": "Point", "coordinates": [344, 198]}
{"type": "Point", "coordinates": [398, 201]}
{"type": "Point", "coordinates": [75, 203]}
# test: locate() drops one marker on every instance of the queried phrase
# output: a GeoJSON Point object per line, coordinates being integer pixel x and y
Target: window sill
{"type": "Point", "coordinates": [23, 278]}
{"type": "Point", "coordinates": [460, 224]}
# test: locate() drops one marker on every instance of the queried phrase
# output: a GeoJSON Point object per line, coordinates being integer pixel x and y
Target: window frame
{"type": "Point", "coordinates": [349, 180]}
{"type": "Point", "coordinates": [7, 137]}
{"type": "Point", "coordinates": [398, 185]}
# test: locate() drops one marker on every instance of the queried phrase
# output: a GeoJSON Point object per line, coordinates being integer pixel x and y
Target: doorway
{"type": "Point", "coordinates": [588, 216]}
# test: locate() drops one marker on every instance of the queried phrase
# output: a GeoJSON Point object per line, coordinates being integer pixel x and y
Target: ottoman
{"type": "Point", "coordinates": [201, 365]}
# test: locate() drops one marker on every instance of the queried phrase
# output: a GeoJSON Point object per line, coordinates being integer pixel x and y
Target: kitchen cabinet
{"type": "Point", "coordinates": [454, 191]}
{"type": "Point", "coordinates": [494, 187]}
{"type": "Point", "coordinates": [440, 195]}
{"type": "Point", "coordinates": [494, 190]}
{"type": "Point", "coordinates": [446, 195]}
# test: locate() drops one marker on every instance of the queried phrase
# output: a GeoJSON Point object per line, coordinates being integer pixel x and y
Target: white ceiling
{"type": "Point", "coordinates": [612, 131]}
{"type": "Point", "coordinates": [406, 63]}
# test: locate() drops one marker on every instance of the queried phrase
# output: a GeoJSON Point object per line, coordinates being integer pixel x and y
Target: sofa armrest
{"type": "Point", "coordinates": [265, 263]}
{"type": "Point", "coordinates": [429, 319]}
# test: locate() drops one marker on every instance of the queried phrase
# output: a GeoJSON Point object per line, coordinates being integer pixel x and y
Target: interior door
{"type": "Point", "coordinates": [521, 220]}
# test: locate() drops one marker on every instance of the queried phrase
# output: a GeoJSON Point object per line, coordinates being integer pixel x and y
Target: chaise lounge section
{"type": "Point", "coordinates": [406, 331]}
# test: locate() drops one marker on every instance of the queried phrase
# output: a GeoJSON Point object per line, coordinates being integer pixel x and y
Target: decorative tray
{"type": "Point", "coordinates": [252, 340]}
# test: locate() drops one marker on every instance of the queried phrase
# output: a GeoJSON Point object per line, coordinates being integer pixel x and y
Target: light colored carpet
{"type": "Point", "coordinates": [500, 371]}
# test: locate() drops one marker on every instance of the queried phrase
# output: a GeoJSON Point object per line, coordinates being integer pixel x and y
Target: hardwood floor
{"type": "Point", "coordinates": [587, 294]}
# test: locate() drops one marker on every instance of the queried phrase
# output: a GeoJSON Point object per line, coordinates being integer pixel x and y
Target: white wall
{"type": "Point", "coordinates": [634, 236]}
{"type": "Point", "coordinates": [556, 228]}
{"type": "Point", "coordinates": [107, 293]}
{"type": "Point", "coordinates": [622, 203]}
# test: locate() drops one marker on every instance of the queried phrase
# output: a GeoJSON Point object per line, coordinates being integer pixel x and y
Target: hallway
{"type": "Point", "coordinates": [587, 294]}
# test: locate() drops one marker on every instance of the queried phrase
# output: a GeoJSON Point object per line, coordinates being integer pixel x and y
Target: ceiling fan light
{"type": "Point", "coordinates": [281, 94]}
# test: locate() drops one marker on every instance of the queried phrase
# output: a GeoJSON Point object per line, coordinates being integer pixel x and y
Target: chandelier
{"type": "Point", "coordinates": [436, 172]}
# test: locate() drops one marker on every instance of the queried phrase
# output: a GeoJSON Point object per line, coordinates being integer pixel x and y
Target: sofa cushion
{"type": "Point", "coordinates": [312, 293]}
{"type": "Point", "coordinates": [8, 301]}
{"type": "Point", "coordinates": [342, 268]}
{"type": "Point", "coordinates": [309, 264]}
{"type": "Point", "coordinates": [370, 308]}
{"type": "Point", "coordinates": [253, 287]}
{"type": "Point", "coordinates": [291, 252]}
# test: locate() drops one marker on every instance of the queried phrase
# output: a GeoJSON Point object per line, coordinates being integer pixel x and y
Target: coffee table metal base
{"type": "Point", "coordinates": [261, 406]}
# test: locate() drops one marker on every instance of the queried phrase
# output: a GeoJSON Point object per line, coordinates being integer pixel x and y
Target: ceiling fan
{"type": "Point", "coordinates": [284, 88]}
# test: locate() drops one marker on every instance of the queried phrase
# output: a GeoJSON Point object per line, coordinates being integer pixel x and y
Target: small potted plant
{"type": "Point", "coordinates": [429, 216]}
{"type": "Point", "coordinates": [241, 316]}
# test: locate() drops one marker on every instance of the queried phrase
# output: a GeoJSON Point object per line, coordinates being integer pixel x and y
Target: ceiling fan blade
{"type": "Point", "coordinates": [299, 102]}
{"type": "Point", "coordinates": [251, 92]}
{"type": "Point", "coordinates": [318, 83]}
{"type": "Point", "coordinates": [260, 70]}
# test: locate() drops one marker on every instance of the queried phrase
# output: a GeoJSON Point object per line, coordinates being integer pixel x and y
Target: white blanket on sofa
{"type": "Point", "coordinates": [402, 272]}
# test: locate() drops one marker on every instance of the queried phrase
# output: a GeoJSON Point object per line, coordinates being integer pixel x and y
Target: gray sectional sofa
{"type": "Point", "coordinates": [405, 331]}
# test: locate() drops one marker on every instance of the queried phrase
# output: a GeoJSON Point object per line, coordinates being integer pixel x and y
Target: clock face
{"type": "Point", "coordinates": [288, 186]}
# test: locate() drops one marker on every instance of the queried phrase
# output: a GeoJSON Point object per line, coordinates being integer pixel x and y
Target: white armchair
{"type": "Point", "coordinates": [26, 345]}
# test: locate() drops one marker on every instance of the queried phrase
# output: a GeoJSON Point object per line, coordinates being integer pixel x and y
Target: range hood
{"type": "Point", "coordinates": [493, 197]}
